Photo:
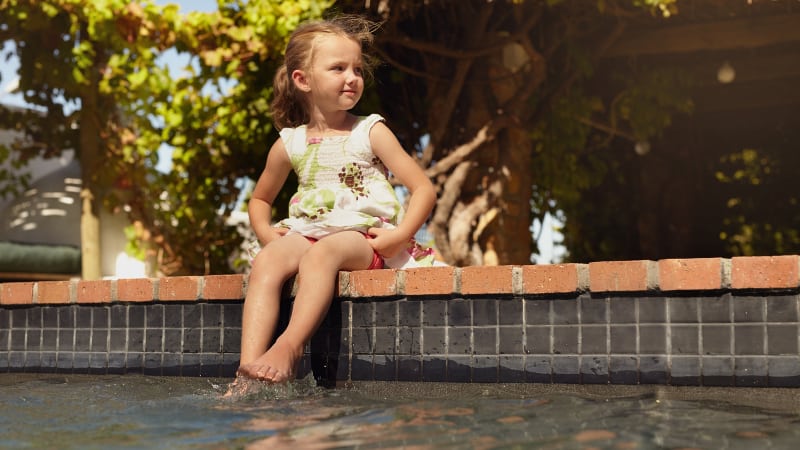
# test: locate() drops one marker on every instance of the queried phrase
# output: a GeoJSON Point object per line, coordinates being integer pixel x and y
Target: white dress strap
{"type": "Point", "coordinates": [360, 135]}
{"type": "Point", "coordinates": [294, 139]}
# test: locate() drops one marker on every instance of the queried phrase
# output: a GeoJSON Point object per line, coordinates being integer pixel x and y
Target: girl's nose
{"type": "Point", "coordinates": [352, 76]}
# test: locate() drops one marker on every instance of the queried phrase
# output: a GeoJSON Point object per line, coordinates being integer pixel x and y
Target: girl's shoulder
{"type": "Point", "coordinates": [294, 139]}
{"type": "Point", "coordinates": [359, 140]}
{"type": "Point", "coordinates": [288, 132]}
{"type": "Point", "coordinates": [365, 123]}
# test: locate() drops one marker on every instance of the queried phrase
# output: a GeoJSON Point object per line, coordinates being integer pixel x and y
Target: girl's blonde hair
{"type": "Point", "coordinates": [289, 108]}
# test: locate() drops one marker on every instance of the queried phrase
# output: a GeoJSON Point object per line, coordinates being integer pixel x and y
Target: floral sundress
{"type": "Point", "coordinates": [344, 186]}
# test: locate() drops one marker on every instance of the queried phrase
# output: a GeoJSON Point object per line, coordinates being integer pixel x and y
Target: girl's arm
{"type": "Point", "coordinates": [385, 146]}
{"type": "Point", "coordinates": [269, 184]}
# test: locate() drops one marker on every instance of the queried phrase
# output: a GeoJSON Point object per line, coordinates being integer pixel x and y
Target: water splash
{"type": "Point", "coordinates": [244, 389]}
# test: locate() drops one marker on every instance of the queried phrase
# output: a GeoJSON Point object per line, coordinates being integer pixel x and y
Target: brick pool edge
{"type": "Point", "coordinates": [703, 322]}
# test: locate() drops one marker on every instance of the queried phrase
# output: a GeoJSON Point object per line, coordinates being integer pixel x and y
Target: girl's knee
{"type": "Point", "coordinates": [260, 260]}
{"type": "Point", "coordinates": [270, 271]}
{"type": "Point", "coordinates": [315, 259]}
{"type": "Point", "coordinates": [261, 266]}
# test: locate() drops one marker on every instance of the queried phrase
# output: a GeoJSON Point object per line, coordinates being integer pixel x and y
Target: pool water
{"type": "Point", "coordinates": [134, 411]}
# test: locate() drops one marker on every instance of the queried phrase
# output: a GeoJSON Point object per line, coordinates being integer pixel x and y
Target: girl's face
{"type": "Point", "coordinates": [334, 81]}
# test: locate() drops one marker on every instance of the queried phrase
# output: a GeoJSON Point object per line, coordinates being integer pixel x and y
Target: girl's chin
{"type": "Point", "coordinates": [349, 105]}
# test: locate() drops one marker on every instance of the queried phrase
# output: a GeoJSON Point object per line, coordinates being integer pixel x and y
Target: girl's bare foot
{"type": "Point", "coordinates": [236, 388]}
{"type": "Point", "coordinates": [277, 365]}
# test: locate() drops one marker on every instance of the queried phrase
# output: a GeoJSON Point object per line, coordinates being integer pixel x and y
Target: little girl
{"type": "Point", "coordinates": [345, 215]}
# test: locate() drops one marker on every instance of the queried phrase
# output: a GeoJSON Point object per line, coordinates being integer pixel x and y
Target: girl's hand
{"type": "Point", "coordinates": [387, 243]}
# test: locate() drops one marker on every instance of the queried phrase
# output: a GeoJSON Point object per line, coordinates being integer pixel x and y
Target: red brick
{"type": "Point", "coordinates": [373, 283]}
{"type": "Point", "coordinates": [20, 293]}
{"type": "Point", "coordinates": [178, 288]}
{"type": "Point", "coordinates": [223, 287]}
{"type": "Point", "coordinates": [429, 281]}
{"type": "Point", "coordinates": [690, 274]}
{"type": "Point", "coordinates": [765, 272]}
{"type": "Point", "coordinates": [551, 279]}
{"type": "Point", "coordinates": [619, 276]}
{"type": "Point", "coordinates": [135, 290]}
{"type": "Point", "coordinates": [487, 280]}
{"type": "Point", "coordinates": [53, 292]}
{"type": "Point", "coordinates": [94, 291]}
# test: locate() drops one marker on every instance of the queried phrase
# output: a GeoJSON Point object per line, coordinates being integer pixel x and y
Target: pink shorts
{"type": "Point", "coordinates": [377, 260]}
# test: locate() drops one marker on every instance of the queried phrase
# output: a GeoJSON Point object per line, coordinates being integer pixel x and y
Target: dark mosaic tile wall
{"type": "Point", "coordinates": [729, 340]}
{"type": "Point", "coordinates": [193, 339]}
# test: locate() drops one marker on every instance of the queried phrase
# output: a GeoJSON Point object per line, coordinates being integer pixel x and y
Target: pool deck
{"type": "Point", "coordinates": [680, 322]}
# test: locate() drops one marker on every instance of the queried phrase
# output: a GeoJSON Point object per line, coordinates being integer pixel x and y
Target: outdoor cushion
{"type": "Point", "coordinates": [35, 258]}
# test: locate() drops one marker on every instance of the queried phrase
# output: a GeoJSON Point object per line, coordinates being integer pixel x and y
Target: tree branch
{"type": "Point", "coordinates": [450, 192]}
{"type": "Point", "coordinates": [442, 51]}
{"type": "Point", "coordinates": [460, 230]}
{"type": "Point", "coordinates": [461, 153]}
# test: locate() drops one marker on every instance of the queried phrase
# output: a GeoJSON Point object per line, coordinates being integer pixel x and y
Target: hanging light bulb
{"type": "Point", "coordinates": [726, 73]}
{"type": "Point", "coordinates": [642, 148]}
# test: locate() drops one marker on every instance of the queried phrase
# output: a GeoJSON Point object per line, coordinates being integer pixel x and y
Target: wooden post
{"type": "Point", "coordinates": [90, 238]}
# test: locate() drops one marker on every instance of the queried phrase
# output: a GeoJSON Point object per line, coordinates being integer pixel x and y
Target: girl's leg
{"type": "Point", "coordinates": [273, 265]}
{"type": "Point", "coordinates": [318, 271]}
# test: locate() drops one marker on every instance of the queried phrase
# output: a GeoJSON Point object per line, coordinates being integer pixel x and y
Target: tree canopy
{"type": "Point", "coordinates": [102, 58]}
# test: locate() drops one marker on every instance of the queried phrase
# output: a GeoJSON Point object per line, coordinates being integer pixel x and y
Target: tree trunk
{"type": "Point", "coordinates": [510, 235]}
{"type": "Point", "coordinates": [487, 198]}
{"type": "Point", "coordinates": [91, 162]}
{"type": "Point", "coordinates": [480, 78]}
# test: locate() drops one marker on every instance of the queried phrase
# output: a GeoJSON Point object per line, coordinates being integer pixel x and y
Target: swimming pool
{"type": "Point", "coordinates": [136, 411]}
{"type": "Point", "coordinates": [437, 358]}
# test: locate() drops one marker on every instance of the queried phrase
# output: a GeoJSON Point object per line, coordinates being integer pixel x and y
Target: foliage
{"type": "Point", "coordinates": [564, 162]}
{"type": "Point", "coordinates": [666, 8]}
{"type": "Point", "coordinates": [649, 99]}
{"type": "Point", "coordinates": [215, 118]}
{"type": "Point", "coordinates": [753, 178]}
{"type": "Point", "coordinates": [217, 136]}
{"type": "Point", "coordinates": [41, 38]}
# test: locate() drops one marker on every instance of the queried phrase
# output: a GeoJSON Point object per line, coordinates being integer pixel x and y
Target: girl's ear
{"type": "Point", "coordinates": [300, 81]}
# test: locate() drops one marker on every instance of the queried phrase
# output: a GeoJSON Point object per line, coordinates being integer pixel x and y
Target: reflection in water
{"type": "Point", "coordinates": [133, 411]}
